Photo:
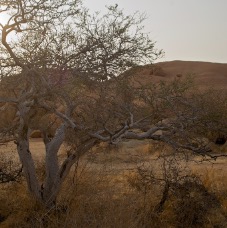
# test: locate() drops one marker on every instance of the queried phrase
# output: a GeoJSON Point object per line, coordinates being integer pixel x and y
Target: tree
{"type": "Point", "coordinates": [46, 39]}
{"type": "Point", "coordinates": [61, 68]}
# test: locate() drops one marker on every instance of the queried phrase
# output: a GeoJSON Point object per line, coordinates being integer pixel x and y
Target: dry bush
{"type": "Point", "coordinates": [10, 168]}
{"type": "Point", "coordinates": [89, 199]}
{"type": "Point", "coordinates": [16, 205]}
{"type": "Point", "coordinates": [182, 200]}
{"type": "Point", "coordinates": [192, 203]}
{"type": "Point", "coordinates": [99, 198]}
{"type": "Point", "coordinates": [9, 171]}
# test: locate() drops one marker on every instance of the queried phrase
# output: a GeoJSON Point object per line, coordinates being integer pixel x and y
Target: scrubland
{"type": "Point", "coordinates": [135, 184]}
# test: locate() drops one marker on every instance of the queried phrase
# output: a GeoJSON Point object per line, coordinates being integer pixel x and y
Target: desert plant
{"type": "Point", "coordinates": [57, 42]}
{"type": "Point", "coordinates": [182, 193]}
{"type": "Point", "coordinates": [10, 170]}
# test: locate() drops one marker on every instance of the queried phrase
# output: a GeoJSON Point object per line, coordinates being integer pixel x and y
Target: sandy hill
{"type": "Point", "coordinates": [206, 74]}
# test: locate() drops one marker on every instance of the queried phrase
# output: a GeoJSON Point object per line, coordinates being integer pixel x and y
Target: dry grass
{"type": "Point", "coordinates": [102, 191]}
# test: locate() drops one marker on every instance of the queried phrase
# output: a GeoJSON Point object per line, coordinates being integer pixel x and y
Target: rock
{"type": "Point", "coordinates": [36, 134]}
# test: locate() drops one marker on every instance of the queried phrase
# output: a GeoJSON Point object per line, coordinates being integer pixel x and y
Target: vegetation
{"type": "Point", "coordinates": [94, 197]}
{"type": "Point", "coordinates": [56, 42]}
{"type": "Point", "coordinates": [62, 74]}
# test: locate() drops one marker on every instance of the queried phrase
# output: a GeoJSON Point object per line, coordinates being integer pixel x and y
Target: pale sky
{"type": "Point", "coordinates": [193, 30]}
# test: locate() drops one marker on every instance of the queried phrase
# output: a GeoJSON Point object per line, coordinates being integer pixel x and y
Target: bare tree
{"type": "Point", "coordinates": [62, 66]}
{"type": "Point", "coordinates": [45, 43]}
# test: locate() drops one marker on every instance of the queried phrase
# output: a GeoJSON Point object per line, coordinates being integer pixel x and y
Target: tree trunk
{"type": "Point", "coordinates": [47, 193]}
{"type": "Point", "coordinates": [52, 181]}
{"type": "Point", "coordinates": [25, 154]}
{"type": "Point", "coordinates": [29, 168]}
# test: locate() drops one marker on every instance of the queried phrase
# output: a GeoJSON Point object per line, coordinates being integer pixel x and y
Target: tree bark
{"type": "Point", "coordinates": [29, 168]}
{"type": "Point", "coordinates": [52, 180]}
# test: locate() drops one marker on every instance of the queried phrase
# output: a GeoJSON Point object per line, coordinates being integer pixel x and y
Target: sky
{"type": "Point", "coordinates": [194, 30]}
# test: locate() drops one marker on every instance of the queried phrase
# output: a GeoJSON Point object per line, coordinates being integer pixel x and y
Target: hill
{"type": "Point", "coordinates": [206, 74]}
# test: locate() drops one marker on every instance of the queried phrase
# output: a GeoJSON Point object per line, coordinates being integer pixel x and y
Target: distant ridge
{"type": "Point", "coordinates": [206, 74]}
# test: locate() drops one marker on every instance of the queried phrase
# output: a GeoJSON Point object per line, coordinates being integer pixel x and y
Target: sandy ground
{"type": "Point", "coordinates": [37, 149]}
{"type": "Point", "coordinates": [129, 155]}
